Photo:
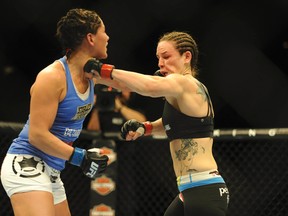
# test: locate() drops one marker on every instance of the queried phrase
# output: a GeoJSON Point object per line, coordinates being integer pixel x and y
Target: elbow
{"type": "Point", "coordinates": [34, 136]}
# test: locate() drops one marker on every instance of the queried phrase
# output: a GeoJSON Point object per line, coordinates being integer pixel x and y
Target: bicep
{"type": "Point", "coordinates": [163, 87]}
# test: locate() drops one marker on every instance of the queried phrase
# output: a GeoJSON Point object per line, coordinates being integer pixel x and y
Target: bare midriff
{"type": "Point", "coordinates": [192, 155]}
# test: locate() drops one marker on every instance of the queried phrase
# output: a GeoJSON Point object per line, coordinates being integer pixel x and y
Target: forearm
{"type": "Point", "coordinates": [50, 144]}
{"type": "Point", "coordinates": [142, 84]}
{"type": "Point", "coordinates": [91, 161]}
{"type": "Point", "coordinates": [112, 83]}
{"type": "Point", "coordinates": [158, 128]}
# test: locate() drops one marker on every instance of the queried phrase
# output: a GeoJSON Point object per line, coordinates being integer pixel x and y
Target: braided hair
{"type": "Point", "coordinates": [74, 26]}
{"type": "Point", "coordinates": [184, 42]}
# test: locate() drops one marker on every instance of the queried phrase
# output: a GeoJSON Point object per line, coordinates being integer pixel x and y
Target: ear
{"type": "Point", "coordinates": [188, 56]}
{"type": "Point", "coordinates": [90, 38]}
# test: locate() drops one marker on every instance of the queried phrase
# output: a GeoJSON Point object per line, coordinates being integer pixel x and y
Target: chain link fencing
{"type": "Point", "coordinates": [253, 163]}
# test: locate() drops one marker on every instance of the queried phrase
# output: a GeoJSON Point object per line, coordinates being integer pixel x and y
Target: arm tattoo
{"type": "Point", "coordinates": [200, 90]}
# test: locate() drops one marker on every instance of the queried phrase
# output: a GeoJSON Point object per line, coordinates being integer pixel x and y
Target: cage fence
{"type": "Point", "coordinates": [253, 163]}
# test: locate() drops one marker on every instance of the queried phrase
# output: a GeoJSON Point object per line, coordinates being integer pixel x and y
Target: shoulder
{"type": "Point", "coordinates": [185, 81]}
{"type": "Point", "coordinates": [51, 77]}
{"type": "Point", "coordinates": [52, 73]}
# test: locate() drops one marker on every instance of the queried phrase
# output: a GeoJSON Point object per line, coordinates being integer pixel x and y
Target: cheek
{"type": "Point", "coordinates": [101, 51]}
{"type": "Point", "coordinates": [101, 41]}
{"type": "Point", "coordinates": [171, 63]}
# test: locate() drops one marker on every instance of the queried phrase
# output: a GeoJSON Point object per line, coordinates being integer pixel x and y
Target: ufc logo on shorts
{"type": "Point", "coordinates": [223, 191]}
{"type": "Point", "coordinates": [93, 169]}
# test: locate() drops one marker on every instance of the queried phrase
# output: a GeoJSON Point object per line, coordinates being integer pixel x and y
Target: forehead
{"type": "Point", "coordinates": [101, 30]}
{"type": "Point", "coordinates": [165, 47]}
{"type": "Point", "coordinates": [101, 27]}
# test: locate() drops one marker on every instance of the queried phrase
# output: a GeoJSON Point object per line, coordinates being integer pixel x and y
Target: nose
{"type": "Point", "coordinates": [160, 63]}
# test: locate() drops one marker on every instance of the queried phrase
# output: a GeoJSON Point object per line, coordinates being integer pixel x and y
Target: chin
{"type": "Point", "coordinates": [104, 56]}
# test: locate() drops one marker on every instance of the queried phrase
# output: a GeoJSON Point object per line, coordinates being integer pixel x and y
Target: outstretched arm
{"type": "Point", "coordinates": [147, 85]}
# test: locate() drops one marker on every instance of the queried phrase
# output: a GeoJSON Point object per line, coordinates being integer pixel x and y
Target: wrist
{"type": "Point", "coordinates": [77, 156]}
{"type": "Point", "coordinates": [106, 71]}
{"type": "Point", "coordinates": [148, 128]}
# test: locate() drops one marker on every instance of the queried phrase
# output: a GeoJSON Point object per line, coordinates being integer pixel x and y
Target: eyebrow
{"type": "Point", "coordinates": [162, 53]}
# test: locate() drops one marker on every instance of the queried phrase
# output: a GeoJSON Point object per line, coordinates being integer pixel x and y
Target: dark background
{"type": "Point", "coordinates": [243, 51]}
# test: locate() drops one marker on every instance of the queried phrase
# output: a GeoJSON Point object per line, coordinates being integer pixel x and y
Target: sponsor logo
{"type": "Point", "coordinates": [82, 111]}
{"type": "Point", "coordinates": [103, 185]}
{"type": "Point", "coordinates": [223, 191]}
{"type": "Point", "coordinates": [167, 127]}
{"type": "Point", "coordinates": [92, 170]}
{"type": "Point", "coordinates": [72, 132]}
{"type": "Point", "coordinates": [110, 153]}
{"type": "Point", "coordinates": [102, 210]}
{"type": "Point", "coordinates": [27, 167]}
{"type": "Point", "coordinates": [54, 175]}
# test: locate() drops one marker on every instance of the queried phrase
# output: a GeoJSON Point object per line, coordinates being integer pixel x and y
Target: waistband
{"type": "Point", "coordinates": [199, 179]}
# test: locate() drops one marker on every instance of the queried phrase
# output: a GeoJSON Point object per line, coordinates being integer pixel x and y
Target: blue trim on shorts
{"type": "Point", "coordinates": [183, 187]}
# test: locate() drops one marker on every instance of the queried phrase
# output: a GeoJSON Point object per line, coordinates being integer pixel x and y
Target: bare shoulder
{"type": "Point", "coordinates": [52, 76]}
{"type": "Point", "coordinates": [52, 73]}
{"type": "Point", "coordinates": [187, 82]}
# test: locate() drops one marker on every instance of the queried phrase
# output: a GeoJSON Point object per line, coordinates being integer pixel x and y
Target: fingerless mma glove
{"type": "Point", "coordinates": [104, 70]}
{"type": "Point", "coordinates": [90, 161]}
{"type": "Point", "coordinates": [144, 128]}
